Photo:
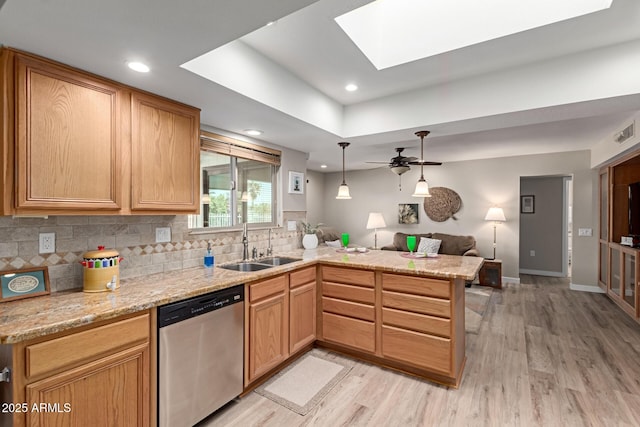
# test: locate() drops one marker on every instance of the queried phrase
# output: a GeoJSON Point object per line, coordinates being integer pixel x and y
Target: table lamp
{"type": "Point", "coordinates": [375, 221]}
{"type": "Point", "coordinates": [496, 215]}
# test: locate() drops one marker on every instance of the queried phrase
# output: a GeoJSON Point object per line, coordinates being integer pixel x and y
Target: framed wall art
{"type": "Point", "coordinates": [296, 182]}
{"type": "Point", "coordinates": [527, 204]}
{"type": "Point", "coordinates": [407, 213]}
{"type": "Point", "coordinates": [25, 283]}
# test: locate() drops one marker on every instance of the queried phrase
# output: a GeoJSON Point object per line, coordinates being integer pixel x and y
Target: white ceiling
{"type": "Point", "coordinates": [561, 87]}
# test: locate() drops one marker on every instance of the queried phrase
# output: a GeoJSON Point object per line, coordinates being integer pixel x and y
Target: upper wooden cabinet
{"type": "Point", "coordinates": [76, 143]}
{"type": "Point", "coordinates": [67, 139]}
{"type": "Point", "coordinates": [164, 157]}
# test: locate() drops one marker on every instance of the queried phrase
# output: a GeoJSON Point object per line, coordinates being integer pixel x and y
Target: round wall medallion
{"type": "Point", "coordinates": [443, 204]}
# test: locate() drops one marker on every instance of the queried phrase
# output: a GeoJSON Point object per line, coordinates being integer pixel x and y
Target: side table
{"type": "Point", "coordinates": [491, 273]}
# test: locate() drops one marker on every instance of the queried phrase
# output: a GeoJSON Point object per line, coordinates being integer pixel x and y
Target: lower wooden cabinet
{"type": "Point", "coordinates": [348, 308]}
{"type": "Point", "coordinates": [97, 376]}
{"type": "Point", "coordinates": [268, 326]}
{"type": "Point", "coordinates": [109, 391]}
{"type": "Point", "coordinates": [302, 308]}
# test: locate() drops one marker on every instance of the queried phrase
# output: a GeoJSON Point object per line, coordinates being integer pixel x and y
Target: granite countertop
{"type": "Point", "coordinates": [34, 317]}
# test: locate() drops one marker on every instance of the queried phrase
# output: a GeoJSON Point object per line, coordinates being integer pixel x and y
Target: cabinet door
{"type": "Point", "coordinates": [268, 327]}
{"type": "Point", "coordinates": [68, 139]}
{"type": "Point", "coordinates": [165, 155]}
{"type": "Point", "coordinates": [302, 309]}
{"type": "Point", "coordinates": [113, 391]}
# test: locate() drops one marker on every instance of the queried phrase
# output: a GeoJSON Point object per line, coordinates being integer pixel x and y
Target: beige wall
{"type": "Point", "coordinates": [480, 184]}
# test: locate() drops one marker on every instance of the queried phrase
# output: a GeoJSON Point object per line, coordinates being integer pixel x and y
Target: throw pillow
{"type": "Point", "coordinates": [429, 246]}
{"type": "Point", "coordinates": [333, 243]}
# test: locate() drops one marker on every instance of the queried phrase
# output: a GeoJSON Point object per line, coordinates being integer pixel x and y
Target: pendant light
{"type": "Point", "coordinates": [422, 187]}
{"type": "Point", "coordinates": [343, 190]}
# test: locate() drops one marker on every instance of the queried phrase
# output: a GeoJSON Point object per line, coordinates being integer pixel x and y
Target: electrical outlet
{"type": "Point", "coordinates": [291, 226]}
{"type": "Point", "coordinates": [532, 253]}
{"type": "Point", "coordinates": [47, 243]}
{"type": "Point", "coordinates": [163, 234]}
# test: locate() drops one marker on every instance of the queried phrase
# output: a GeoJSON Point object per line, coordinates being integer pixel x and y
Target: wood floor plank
{"type": "Point", "coordinates": [544, 356]}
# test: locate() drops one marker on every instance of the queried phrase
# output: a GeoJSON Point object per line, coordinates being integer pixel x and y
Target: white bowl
{"type": "Point", "coordinates": [361, 249]}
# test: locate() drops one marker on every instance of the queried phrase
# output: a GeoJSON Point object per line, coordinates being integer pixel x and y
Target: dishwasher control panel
{"type": "Point", "coordinates": [182, 310]}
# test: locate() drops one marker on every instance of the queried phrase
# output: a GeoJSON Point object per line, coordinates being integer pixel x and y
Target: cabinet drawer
{"type": "Point", "coordinates": [81, 347]}
{"type": "Point", "coordinates": [421, 350]}
{"type": "Point", "coordinates": [354, 333]}
{"type": "Point", "coordinates": [301, 277]}
{"type": "Point", "coordinates": [417, 322]}
{"type": "Point", "coordinates": [351, 293]}
{"type": "Point", "coordinates": [267, 287]}
{"type": "Point", "coordinates": [417, 304]}
{"type": "Point", "coordinates": [348, 275]}
{"type": "Point", "coordinates": [416, 285]}
{"type": "Point", "coordinates": [348, 308]}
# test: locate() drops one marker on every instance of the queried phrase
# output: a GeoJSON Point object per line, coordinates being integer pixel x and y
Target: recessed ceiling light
{"type": "Point", "coordinates": [323, 166]}
{"type": "Point", "coordinates": [351, 87]}
{"type": "Point", "coordinates": [253, 132]}
{"type": "Point", "coordinates": [138, 66]}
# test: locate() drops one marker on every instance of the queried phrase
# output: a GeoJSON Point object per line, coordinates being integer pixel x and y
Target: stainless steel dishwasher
{"type": "Point", "coordinates": [200, 356]}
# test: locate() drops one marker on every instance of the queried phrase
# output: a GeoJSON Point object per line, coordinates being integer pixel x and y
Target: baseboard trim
{"type": "Point", "coordinates": [542, 273]}
{"type": "Point", "coordinates": [586, 288]}
{"type": "Point", "coordinates": [515, 280]}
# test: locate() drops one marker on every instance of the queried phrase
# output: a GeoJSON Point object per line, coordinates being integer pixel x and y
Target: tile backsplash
{"type": "Point", "coordinates": [133, 237]}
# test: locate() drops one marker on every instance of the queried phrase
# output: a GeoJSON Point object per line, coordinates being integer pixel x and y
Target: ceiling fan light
{"type": "Point", "coordinates": [422, 188]}
{"type": "Point", "coordinates": [343, 192]}
{"type": "Point", "coordinates": [399, 170]}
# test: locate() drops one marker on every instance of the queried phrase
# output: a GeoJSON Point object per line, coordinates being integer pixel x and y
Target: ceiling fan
{"type": "Point", "coordinates": [401, 164]}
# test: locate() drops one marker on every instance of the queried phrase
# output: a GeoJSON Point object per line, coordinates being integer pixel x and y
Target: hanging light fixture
{"type": "Point", "coordinates": [422, 187]}
{"type": "Point", "coordinates": [343, 190]}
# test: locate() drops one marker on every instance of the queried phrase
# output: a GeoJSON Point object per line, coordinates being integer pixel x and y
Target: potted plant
{"type": "Point", "coordinates": [310, 238]}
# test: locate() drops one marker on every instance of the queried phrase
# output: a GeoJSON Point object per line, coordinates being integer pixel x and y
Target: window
{"type": "Point", "coordinates": [238, 183]}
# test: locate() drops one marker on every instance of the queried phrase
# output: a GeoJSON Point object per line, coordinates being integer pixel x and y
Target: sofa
{"type": "Point", "coordinates": [450, 244]}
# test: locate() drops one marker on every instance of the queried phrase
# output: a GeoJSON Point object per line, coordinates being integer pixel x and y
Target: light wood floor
{"type": "Point", "coordinates": [544, 355]}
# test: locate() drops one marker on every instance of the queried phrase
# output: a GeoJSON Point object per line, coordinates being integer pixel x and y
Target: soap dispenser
{"type": "Point", "coordinates": [208, 258]}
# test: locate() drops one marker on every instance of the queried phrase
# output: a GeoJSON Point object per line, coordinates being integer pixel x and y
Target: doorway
{"type": "Point", "coordinates": [545, 225]}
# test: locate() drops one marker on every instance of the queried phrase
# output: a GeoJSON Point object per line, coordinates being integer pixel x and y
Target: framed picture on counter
{"type": "Point", "coordinates": [25, 283]}
{"type": "Point", "coordinates": [296, 182]}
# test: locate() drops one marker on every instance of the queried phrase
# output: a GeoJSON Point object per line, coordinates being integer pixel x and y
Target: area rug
{"type": "Point", "coordinates": [476, 301]}
{"type": "Point", "coordinates": [303, 384]}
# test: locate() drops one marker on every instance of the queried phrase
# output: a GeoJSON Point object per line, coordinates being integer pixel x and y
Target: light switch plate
{"type": "Point", "coordinates": [163, 234]}
{"type": "Point", "coordinates": [585, 232]}
{"type": "Point", "coordinates": [291, 226]}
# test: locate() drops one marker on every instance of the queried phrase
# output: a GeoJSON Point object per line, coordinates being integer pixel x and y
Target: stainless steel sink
{"type": "Point", "coordinates": [246, 266]}
{"type": "Point", "coordinates": [277, 260]}
{"type": "Point", "coordinates": [260, 264]}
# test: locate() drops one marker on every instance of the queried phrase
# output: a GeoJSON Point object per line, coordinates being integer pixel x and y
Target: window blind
{"type": "Point", "coordinates": [235, 147]}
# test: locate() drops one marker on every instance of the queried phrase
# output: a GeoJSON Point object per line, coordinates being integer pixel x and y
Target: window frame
{"type": "Point", "coordinates": [237, 149]}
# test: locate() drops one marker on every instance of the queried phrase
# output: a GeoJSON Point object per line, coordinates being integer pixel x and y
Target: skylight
{"type": "Point", "coordinates": [394, 32]}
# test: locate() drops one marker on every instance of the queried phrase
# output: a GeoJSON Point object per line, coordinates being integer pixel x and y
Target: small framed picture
{"type": "Point", "coordinates": [25, 283]}
{"type": "Point", "coordinates": [407, 213]}
{"type": "Point", "coordinates": [527, 204]}
{"type": "Point", "coordinates": [296, 182]}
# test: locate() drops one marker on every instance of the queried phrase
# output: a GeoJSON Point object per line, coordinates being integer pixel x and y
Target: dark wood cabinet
{"type": "Point", "coordinates": [491, 273]}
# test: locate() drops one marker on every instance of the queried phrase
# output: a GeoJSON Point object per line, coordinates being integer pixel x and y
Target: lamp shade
{"type": "Point", "coordinates": [376, 220]}
{"type": "Point", "coordinates": [495, 214]}
{"type": "Point", "coordinates": [343, 192]}
{"type": "Point", "coordinates": [422, 189]}
{"type": "Point", "coordinates": [205, 199]}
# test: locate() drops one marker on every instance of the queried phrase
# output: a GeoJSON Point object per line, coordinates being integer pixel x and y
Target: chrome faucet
{"type": "Point", "coordinates": [245, 243]}
{"type": "Point", "coordinates": [269, 249]}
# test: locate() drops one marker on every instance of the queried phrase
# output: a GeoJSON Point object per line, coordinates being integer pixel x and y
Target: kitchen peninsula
{"type": "Point", "coordinates": [407, 314]}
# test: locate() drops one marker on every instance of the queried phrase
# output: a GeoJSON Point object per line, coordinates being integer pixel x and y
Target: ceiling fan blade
{"type": "Point", "coordinates": [381, 163]}
{"type": "Point", "coordinates": [425, 163]}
